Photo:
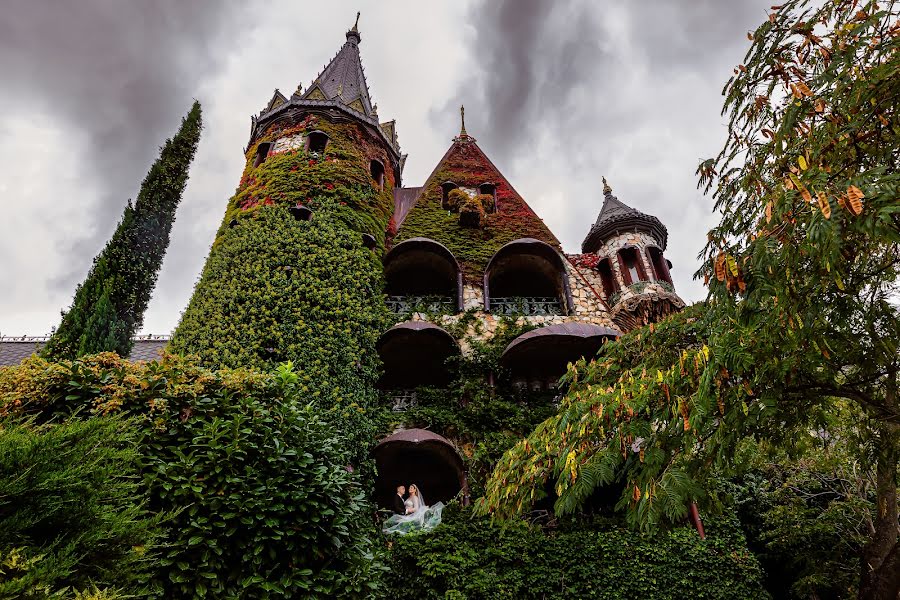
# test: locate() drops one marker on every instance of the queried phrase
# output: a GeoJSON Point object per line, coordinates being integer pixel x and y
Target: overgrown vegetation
{"type": "Point", "coordinates": [467, 166]}
{"type": "Point", "coordinates": [264, 503]}
{"type": "Point", "coordinates": [73, 517]}
{"type": "Point", "coordinates": [108, 308]}
{"type": "Point", "coordinates": [475, 558]}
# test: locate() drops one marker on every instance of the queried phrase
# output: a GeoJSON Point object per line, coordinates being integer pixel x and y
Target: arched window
{"type": "Point", "coordinates": [414, 354]}
{"type": "Point", "coordinates": [659, 264]}
{"type": "Point", "coordinates": [607, 278]}
{"type": "Point", "coordinates": [369, 241]}
{"type": "Point", "coordinates": [376, 169]}
{"type": "Point", "coordinates": [262, 151]}
{"type": "Point", "coordinates": [631, 265]}
{"type": "Point", "coordinates": [489, 189]}
{"type": "Point", "coordinates": [316, 142]}
{"type": "Point", "coordinates": [421, 274]}
{"type": "Point", "coordinates": [301, 213]}
{"type": "Point", "coordinates": [446, 187]}
{"type": "Point", "coordinates": [527, 277]}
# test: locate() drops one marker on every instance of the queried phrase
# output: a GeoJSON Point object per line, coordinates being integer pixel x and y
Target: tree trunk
{"type": "Point", "coordinates": [880, 578]}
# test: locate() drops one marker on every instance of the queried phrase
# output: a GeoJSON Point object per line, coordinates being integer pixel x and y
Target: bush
{"type": "Point", "coordinates": [72, 515]}
{"type": "Point", "coordinates": [475, 558]}
{"type": "Point", "coordinates": [266, 504]}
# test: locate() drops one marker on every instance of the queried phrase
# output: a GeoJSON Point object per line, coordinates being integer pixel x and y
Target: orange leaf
{"type": "Point", "coordinates": [820, 105]}
{"type": "Point", "coordinates": [768, 213]}
{"type": "Point", "coordinates": [824, 205]}
{"type": "Point", "coordinates": [806, 195]}
{"type": "Point", "coordinates": [720, 267]}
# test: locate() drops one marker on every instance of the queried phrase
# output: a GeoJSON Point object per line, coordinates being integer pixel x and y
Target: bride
{"type": "Point", "coordinates": [419, 516]}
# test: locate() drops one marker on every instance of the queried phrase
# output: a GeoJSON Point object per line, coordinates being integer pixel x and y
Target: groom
{"type": "Point", "coordinates": [397, 504]}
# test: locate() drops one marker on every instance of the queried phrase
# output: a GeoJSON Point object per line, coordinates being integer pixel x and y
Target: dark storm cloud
{"type": "Point", "coordinates": [540, 64]}
{"type": "Point", "coordinates": [121, 74]}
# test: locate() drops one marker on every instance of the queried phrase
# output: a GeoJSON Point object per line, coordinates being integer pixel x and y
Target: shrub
{"type": "Point", "coordinates": [72, 514]}
{"type": "Point", "coordinates": [474, 558]}
{"type": "Point", "coordinates": [266, 505]}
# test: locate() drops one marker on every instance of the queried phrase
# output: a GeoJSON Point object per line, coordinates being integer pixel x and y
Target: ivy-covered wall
{"type": "Point", "coordinates": [277, 289]}
{"type": "Point", "coordinates": [467, 166]}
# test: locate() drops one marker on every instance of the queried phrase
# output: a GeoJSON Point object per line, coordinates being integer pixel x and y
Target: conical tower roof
{"type": "Point", "coordinates": [340, 88]}
{"type": "Point", "coordinates": [617, 217]}
{"type": "Point", "coordinates": [343, 79]}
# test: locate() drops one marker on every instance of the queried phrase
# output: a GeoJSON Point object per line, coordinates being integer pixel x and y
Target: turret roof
{"type": "Point", "coordinates": [617, 217]}
{"type": "Point", "coordinates": [343, 79]}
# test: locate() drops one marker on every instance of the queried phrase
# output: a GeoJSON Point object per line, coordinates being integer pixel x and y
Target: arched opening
{"type": "Point", "coordinates": [316, 142]}
{"type": "Point", "coordinates": [631, 265]}
{"type": "Point", "coordinates": [607, 278]}
{"type": "Point", "coordinates": [421, 457]}
{"type": "Point", "coordinates": [414, 354]}
{"type": "Point", "coordinates": [369, 241]}
{"type": "Point", "coordinates": [376, 170]}
{"type": "Point", "coordinates": [301, 213]}
{"type": "Point", "coordinates": [659, 264]}
{"type": "Point", "coordinates": [446, 188]}
{"type": "Point", "coordinates": [262, 151]}
{"type": "Point", "coordinates": [421, 274]}
{"type": "Point", "coordinates": [527, 277]}
{"type": "Point", "coordinates": [537, 359]}
{"type": "Point", "coordinates": [489, 189]}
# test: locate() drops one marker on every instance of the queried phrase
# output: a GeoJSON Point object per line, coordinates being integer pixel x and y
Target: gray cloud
{"type": "Point", "coordinates": [120, 73]}
{"type": "Point", "coordinates": [559, 93]}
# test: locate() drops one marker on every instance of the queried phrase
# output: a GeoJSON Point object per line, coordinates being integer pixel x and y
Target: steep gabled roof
{"type": "Point", "coordinates": [343, 79]}
{"type": "Point", "coordinates": [467, 166]}
{"type": "Point", "coordinates": [617, 217]}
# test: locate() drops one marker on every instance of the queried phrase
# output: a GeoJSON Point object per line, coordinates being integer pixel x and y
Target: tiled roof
{"type": "Point", "coordinates": [615, 217]}
{"type": "Point", "coordinates": [343, 78]}
{"type": "Point", "coordinates": [15, 350]}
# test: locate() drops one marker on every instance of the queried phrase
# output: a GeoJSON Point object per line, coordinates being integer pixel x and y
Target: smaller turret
{"type": "Point", "coordinates": [632, 268]}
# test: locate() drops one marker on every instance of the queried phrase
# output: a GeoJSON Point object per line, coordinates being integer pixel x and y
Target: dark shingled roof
{"type": "Point", "coordinates": [13, 351]}
{"type": "Point", "coordinates": [617, 217]}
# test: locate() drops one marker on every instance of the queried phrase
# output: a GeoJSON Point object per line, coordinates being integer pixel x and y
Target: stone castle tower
{"type": "Point", "coordinates": [324, 259]}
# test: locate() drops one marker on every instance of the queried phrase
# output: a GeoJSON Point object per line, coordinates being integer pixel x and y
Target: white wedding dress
{"type": "Point", "coordinates": [419, 517]}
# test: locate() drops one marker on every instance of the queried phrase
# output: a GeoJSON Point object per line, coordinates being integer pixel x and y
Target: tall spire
{"type": "Point", "coordinates": [462, 116]}
{"type": "Point", "coordinates": [607, 191]}
{"type": "Point", "coordinates": [343, 80]}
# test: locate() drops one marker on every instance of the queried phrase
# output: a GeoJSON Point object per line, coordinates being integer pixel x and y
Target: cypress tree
{"type": "Point", "coordinates": [109, 305]}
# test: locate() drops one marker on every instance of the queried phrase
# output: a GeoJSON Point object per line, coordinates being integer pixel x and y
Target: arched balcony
{"type": "Point", "coordinates": [421, 457]}
{"type": "Point", "coordinates": [422, 274]}
{"type": "Point", "coordinates": [527, 277]}
{"type": "Point", "coordinates": [537, 359]}
{"type": "Point", "coordinates": [414, 354]}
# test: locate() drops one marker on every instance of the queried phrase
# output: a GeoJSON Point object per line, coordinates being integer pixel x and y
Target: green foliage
{"type": "Point", "coordinates": [467, 166]}
{"type": "Point", "coordinates": [73, 515]}
{"type": "Point", "coordinates": [109, 306]}
{"type": "Point", "coordinates": [265, 504]}
{"type": "Point", "coordinates": [469, 557]}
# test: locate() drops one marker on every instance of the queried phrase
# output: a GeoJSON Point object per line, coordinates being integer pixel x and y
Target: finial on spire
{"type": "Point", "coordinates": [462, 116]}
{"type": "Point", "coordinates": [354, 33]}
{"type": "Point", "coordinates": [606, 189]}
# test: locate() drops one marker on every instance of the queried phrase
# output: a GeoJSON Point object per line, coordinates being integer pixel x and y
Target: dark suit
{"type": "Point", "coordinates": [397, 505]}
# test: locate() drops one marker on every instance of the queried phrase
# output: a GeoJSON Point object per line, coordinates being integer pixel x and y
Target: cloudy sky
{"type": "Point", "coordinates": [557, 92]}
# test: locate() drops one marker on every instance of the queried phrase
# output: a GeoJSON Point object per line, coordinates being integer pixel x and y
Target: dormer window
{"type": "Point", "coordinates": [489, 189]}
{"type": "Point", "coordinates": [659, 264]}
{"type": "Point", "coordinates": [607, 278]}
{"type": "Point", "coordinates": [262, 151]}
{"type": "Point", "coordinates": [631, 266]}
{"type": "Point", "coordinates": [446, 188]}
{"type": "Point", "coordinates": [376, 169]}
{"type": "Point", "coordinates": [316, 142]}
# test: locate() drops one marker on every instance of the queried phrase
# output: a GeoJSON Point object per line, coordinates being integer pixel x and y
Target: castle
{"type": "Point", "coordinates": [321, 229]}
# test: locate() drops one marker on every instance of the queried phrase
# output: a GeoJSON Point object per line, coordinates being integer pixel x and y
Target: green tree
{"type": "Point", "coordinates": [109, 306]}
{"type": "Point", "coordinates": [72, 515]}
{"type": "Point", "coordinates": [803, 273]}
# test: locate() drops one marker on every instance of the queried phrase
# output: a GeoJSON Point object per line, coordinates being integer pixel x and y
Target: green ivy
{"type": "Point", "coordinates": [468, 557]}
